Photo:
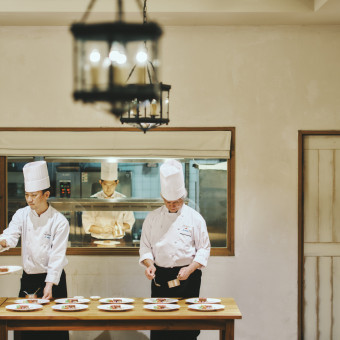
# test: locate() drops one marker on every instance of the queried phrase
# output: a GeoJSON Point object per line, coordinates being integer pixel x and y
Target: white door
{"type": "Point", "coordinates": [321, 306]}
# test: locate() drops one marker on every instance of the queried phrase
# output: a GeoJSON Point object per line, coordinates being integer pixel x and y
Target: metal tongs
{"type": "Point", "coordinates": [32, 295]}
{"type": "Point", "coordinates": [154, 281]}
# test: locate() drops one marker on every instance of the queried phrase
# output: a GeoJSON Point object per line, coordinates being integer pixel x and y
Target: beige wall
{"type": "Point", "coordinates": [268, 82]}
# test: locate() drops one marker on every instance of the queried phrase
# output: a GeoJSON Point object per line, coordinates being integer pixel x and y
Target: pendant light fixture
{"type": "Point", "coordinates": [105, 53]}
{"type": "Point", "coordinates": [142, 113]}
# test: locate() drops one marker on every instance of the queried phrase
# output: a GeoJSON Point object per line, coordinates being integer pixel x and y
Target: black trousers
{"type": "Point", "coordinates": [188, 289]}
{"type": "Point", "coordinates": [30, 283]}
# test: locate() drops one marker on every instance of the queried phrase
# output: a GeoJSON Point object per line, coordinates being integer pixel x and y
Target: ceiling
{"type": "Point", "coordinates": [174, 12]}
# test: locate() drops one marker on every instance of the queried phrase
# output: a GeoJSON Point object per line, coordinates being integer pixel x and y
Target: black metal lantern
{"type": "Point", "coordinates": [146, 114]}
{"type": "Point", "coordinates": [105, 53]}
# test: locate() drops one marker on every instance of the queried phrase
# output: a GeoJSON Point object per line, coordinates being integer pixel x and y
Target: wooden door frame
{"type": "Point", "coordinates": [301, 137]}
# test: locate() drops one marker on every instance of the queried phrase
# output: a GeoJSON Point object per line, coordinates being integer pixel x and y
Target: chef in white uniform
{"type": "Point", "coordinates": [174, 244]}
{"type": "Point", "coordinates": [44, 238]}
{"type": "Point", "coordinates": [108, 224]}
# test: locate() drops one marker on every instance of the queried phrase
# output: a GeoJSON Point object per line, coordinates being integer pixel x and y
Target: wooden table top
{"type": "Point", "coordinates": [231, 311]}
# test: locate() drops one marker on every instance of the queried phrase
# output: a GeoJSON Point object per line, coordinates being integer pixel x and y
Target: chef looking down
{"type": "Point", "coordinates": [174, 244]}
{"type": "Point", "coordinates": [108, 224]}
{"type": "Point", "coordinates": [44, 237]}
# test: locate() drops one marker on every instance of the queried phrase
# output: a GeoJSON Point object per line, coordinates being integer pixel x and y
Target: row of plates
{"type": "Point", "coordinates": [118, 300]}
{"type": "Point", "coordinates": [113, 307]}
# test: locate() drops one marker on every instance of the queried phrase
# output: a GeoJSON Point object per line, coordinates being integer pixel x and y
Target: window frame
{"type": "Point", "coordinates": [215, 251]}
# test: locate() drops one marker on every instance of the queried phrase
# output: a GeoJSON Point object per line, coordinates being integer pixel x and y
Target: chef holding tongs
{"type": "Point", "coordinates": [174, 245]}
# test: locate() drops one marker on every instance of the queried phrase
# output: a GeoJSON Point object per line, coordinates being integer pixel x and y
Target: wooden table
{"type": "Point", "coordinates": [136, 319]}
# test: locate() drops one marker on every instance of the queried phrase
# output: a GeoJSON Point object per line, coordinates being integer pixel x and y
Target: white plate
{"type": "Point", "coordinates": [160, 300]}
{"type": "Point", "coordinates": [205, 307]}
{"type": "Point", "coordinates": [116, 300]}
{"type": "Point", "coordinates": [108, 243]}
{"type": "Point", "coordinates": [36, 301]}
{"type": "Point", "coordinates": [63, 307]}
{"type": "Point", "coordinates": [161, 307]}
{"type": "Point", "coordinates": [208, 300]}
{"type": "Point", "coordinates": [121, 307]}
{"type": "Point", "coordinates": [95, 297]}
{"type": "Point", "coordinates": [30, 306]}
{"type": "Point", "coordinates": [72, 300]}
{"type": "Point", "coordinates": [11, 269]}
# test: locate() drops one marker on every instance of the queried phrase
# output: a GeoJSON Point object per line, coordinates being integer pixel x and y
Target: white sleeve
{"type": "Point", "coordinates": [88, 219]}
{"type": "Point", "coordinates": [129, 218]}
{"type": "Point", "coordinates": [145, 250]}
{"type": "Point", "coordinates": [13, 232]}
{"type": "Point", "coordinates": [202, 243]}
{"type": "Point", "coordinates": [57, 259]}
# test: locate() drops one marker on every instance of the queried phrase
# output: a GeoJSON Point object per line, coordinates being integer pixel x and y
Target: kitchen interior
{"type": "Point", "coordinates": [75, 180]}
{"type": "Point", "coordinates": [269, 69]}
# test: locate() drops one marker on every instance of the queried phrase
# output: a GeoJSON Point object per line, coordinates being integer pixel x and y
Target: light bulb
{"type": "Point", "coordinates": [95, 56]}
{"type": "Point", "coordinates": [117, 54]}
{"type": "Point", "coordinates": [141, 57]}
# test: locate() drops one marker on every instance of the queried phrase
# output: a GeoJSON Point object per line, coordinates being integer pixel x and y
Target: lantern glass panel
{"type": "Point", "coordinates": [99, 65]}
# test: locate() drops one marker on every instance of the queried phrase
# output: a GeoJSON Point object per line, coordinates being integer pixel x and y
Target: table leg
{"type": "Point", "coordinates": [228, 332]}
{"type": "Point", "coordinates": [3, 330]}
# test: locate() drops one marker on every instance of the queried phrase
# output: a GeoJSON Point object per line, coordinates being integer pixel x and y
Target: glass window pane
{"type": "Point", "coordinates": [74, 180]}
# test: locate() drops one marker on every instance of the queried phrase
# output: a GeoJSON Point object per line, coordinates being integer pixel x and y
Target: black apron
{"type": "Point", "coordinates": [30, 283]}
{"type": "Point", "coordinates": [189, 288]}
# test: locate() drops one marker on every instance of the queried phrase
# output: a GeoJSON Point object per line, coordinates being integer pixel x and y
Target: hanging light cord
{"type": "Point", "coordinates": [91, 4]}
{"type": "Point", "coordinates": [88, 10]}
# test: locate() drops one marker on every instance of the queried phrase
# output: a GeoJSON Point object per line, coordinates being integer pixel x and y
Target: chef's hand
{"type": "Point", "coordinates": [150, 269]}
{"type": "Point", "coordinates": [185, 272]}
{"type": "Point", "coordinates": [3, 244]}
{"type": "Point", "coordinates": [48, 291]}
{"type": "Point", "coordinates": [108, 230]}
{"type": "Point", "coordinates": [150, 272]}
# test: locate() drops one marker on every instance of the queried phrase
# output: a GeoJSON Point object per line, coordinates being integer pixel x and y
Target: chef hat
{"type": "Point", "coordinates": [109, 171]}
{"type": "Point", "coordinates": [172, 180]}
{"type": "Point", "coordinates": [36, 176]}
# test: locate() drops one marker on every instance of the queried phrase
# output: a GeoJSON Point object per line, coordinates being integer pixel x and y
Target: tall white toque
{"type": "Point", "coordinates": [172, 180]}
{"type": "Point", "coordinates": [36, 176]}
{"type": "Point", "coordinates": [109, 171]}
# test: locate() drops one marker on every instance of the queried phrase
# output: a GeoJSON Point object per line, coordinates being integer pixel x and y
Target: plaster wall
{"type": "Point", "coordinates": [268, 82]}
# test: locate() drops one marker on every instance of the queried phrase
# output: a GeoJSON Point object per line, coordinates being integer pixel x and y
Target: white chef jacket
{"type": "Point", "coordinates": [174, 239]}
{"type": "Point", "coordinates": [44, 241]}
{"type": "Point", "coordinates": [106, 218]}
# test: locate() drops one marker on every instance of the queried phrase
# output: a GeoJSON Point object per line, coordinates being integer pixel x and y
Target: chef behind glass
{"type": "Point", "coordinates": [108, 224]}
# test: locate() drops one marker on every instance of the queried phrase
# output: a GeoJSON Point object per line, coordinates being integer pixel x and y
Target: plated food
{"type": "Point", "coordinates": [160, 300]}
{"type": "Point", "coordinates": [72, 300]}
{"type": "Point", "coordinates": [205, 307]}
{"type": "Point", "coordinates": [26, 307]}
{"type": "Point", "coordinates": [116, 300]}
{"type": "Point", "coordinates": [161, 307]}
{"type": "Point", "coordinates": [107, 243]}
{"type": "Point", "coordinates": [70, 307]}
{"type": "Point", "coordinates": [203, 300]}
{"type": "Point", "coordinates": [115, 307]}
{"type": "Point", "coordinates": [9, 269]}
{"type": "Point", "coordinates": [36, 301]}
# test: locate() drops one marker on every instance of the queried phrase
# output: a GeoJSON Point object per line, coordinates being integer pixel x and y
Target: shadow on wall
{"type": "Point", "coordinates": [108, 335]}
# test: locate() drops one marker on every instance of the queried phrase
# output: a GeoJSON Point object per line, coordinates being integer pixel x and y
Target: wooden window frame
{"type": "Point", "coordinates": [225, 251]}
